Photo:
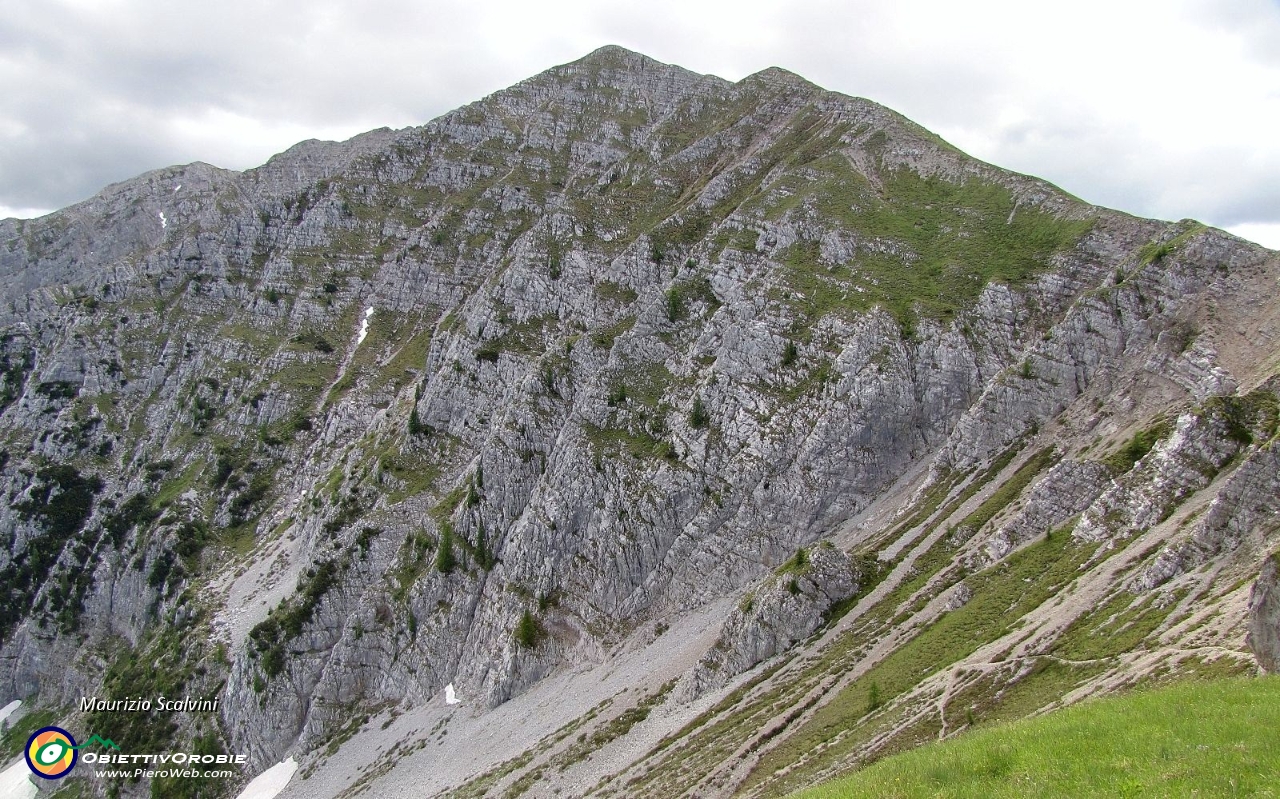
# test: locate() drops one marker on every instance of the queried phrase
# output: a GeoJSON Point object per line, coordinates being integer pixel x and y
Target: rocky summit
{"type": "Point", "coordinates": [626, 433]}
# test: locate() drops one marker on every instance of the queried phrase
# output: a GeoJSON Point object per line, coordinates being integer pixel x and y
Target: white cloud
{"type": "Point", "coordinates": [227, 137]}
{"type": "Point", "coordinates": [7, 212]}
{"type": "Point", "coordinates": [1268, 235]}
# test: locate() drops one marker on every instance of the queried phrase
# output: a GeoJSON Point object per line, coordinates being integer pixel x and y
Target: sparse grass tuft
{"type": "Point", "coordinates": [1122, 461]}
{"type": "Point", "coordinates": [948, 241]}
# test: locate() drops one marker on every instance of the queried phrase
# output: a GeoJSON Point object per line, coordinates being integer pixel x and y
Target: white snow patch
{"type": "Point", "coordinates": [15, 782]}
{"type": "Point", "coordinates": [450, 697]}
{"type": "Point", "coordinates": [364, 325]}
{"type": "Point", "coordinates": [270, 782]}
{"type": "Point", "coordinates": [164, 223]}
{"type": "Point", "coordinates": [7, 710]}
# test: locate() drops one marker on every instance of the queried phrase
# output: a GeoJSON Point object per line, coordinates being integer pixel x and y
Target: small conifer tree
{"type": "Point", "coordinates": [445, 560]}
{"type": "Point", "coordinates": [699, 417]}
{"type": "Point", "coordinates": [528, 631]}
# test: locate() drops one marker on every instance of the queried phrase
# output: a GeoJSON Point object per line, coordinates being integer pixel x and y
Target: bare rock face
{"type": "Point", "coordinates": [785, 608]}
{"type": "Point", "coordinates": [1264, 616]}
{"type": "Point", "coordinates": [1069, 488]}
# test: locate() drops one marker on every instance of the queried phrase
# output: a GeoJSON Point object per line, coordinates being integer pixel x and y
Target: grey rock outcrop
{"type": "Point", "coordinates": [782, 610]}
{"type": "Point", "coordinates": [1264, 616]}
{"type": "Point", "coordinates": [1067, 489]}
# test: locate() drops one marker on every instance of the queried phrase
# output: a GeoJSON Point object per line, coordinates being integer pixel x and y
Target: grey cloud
{"type": "Point", "coordinates": [90, 98]}
{"type": "Point", "coordinates": [1255, 22]}
{"type": "Point", "coordinates": [1225, 186]}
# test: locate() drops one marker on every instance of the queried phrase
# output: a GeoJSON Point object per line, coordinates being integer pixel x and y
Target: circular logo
{"type": "Point", "coordinates": [51, 752]}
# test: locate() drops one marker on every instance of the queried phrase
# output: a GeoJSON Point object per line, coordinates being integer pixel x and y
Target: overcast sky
{"type": "Point", "coordinates": [1168, 109]}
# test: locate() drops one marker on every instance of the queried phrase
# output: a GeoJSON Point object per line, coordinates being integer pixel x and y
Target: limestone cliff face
{"type": "Point", "coordinates": [784, 609]}
{"type": "Point", "coordinates": [1264, 617]}
{"type": "Point", "coordinates": [474, 402]}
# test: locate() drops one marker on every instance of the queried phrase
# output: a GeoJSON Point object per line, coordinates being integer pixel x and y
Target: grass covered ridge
{"type": "Point", "coordinates": [1194, 738]}
{"type": "Point", "coordinates": [929, 245]}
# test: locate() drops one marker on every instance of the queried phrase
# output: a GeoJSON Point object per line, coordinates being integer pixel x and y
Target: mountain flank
{"type": "Point", "coordinates": [701, 438]}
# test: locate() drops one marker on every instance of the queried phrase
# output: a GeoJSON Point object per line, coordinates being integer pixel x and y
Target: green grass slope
{"type": "Point", "coordinates": [1190, 739]}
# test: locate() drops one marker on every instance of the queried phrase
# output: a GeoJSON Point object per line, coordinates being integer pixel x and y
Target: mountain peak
{"type": "Point", "coordinates": [615, 57]}
{"type": "Point", "coordinates": [777, 76]}
{"type": "Point", "coordinates": [611, 53]}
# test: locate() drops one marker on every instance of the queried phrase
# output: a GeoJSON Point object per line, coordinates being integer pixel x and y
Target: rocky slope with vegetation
{"type": "Point", "coordinates": [827, 437]}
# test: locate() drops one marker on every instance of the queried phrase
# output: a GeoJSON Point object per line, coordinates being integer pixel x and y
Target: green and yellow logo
{"type": "Point", "coordinates": [51, 752]}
